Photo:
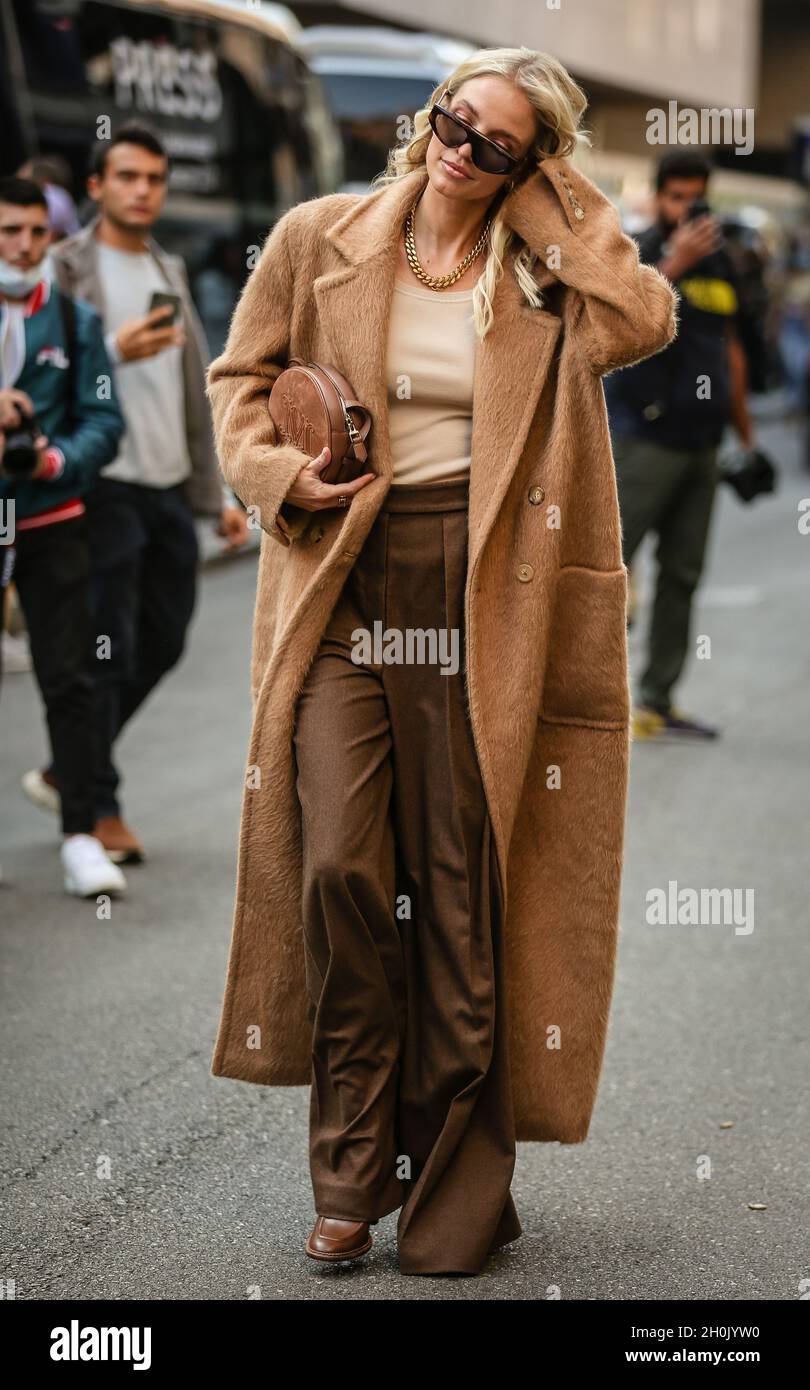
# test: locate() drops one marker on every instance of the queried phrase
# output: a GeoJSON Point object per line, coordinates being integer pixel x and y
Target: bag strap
{"type": "Point", "coordinates": [357, 436]}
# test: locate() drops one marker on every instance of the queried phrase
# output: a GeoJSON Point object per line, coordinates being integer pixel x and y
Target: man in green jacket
{"type": "Point", "coordinates": [60, 423]}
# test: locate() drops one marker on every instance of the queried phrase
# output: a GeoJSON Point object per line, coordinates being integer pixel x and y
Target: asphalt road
{"type": "Point", "coordinates": [130, 1172]}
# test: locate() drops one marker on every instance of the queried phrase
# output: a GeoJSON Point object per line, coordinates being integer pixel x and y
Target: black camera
{"type": "Point", "coordinates": [21, 456]}
{"type": "Point", "coordinates": [750, 472]}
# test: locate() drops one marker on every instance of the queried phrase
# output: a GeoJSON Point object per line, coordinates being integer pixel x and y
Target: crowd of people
{"type": "Point", "coordinates": [107, 456]}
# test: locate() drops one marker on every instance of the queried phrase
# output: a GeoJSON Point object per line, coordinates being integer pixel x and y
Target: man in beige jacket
{"type": "Point", "coordinates": [141, 513]}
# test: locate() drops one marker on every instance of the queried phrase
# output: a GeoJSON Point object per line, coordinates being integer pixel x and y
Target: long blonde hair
{"type": "Point", "coordinates": [559, 103]}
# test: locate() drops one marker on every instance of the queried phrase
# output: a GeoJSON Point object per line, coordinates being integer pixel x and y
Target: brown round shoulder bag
{"type": "Point", "coordinates": [312, 407]}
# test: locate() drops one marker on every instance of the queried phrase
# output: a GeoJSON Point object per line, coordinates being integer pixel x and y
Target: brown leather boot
{"type": "Point", "coordinates": [332, 1238]}
{"type": "Point", "coordinates": [118, 840]}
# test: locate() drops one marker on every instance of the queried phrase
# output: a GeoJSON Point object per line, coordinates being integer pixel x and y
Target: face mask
{"type": "Point", "coordinates": [18, 283]}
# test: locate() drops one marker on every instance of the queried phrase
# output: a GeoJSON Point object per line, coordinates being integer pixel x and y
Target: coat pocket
{"type": "Point", "coordinates": [586, 678]}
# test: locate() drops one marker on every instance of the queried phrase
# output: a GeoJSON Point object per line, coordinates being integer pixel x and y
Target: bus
{"type": "Point", "coordinates": [246, 124]}
{"type": "Point", "coordinates": [376, 78]}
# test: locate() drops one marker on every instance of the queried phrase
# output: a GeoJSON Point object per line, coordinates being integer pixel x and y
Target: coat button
{"type": "Point", "coordinates": [536, 496]}
{"type": "Point", "coordinates": [579, 213]}
{"type": "Point", "coordinates": [316, 534]}
{"type": "Point", "coordinates": [525, 573]}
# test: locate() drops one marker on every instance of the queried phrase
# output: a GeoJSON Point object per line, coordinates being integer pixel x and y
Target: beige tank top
{"type": "Point", "coordinates": [429, 374]}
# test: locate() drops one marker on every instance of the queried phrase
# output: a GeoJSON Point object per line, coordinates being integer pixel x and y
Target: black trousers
{"type": "Point", "coordinates": [143, 585]}
{"type": "Point", "coordinates": [51, 572]}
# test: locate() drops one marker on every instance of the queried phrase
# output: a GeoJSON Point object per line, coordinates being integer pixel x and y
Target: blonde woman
{"type": "Point", "coordinates": [431, 841]}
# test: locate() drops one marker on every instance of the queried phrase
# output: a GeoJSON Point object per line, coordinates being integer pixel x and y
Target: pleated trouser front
{"type": "Point", "coordinates": [411, 1104]}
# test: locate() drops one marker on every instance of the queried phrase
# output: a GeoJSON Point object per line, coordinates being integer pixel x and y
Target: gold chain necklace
{"type": "Point", "coordinates": [439, 282]}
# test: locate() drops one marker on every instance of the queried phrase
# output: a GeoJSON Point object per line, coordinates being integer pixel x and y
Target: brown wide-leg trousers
{"type": "Point", "coordinates": [411, 1104]}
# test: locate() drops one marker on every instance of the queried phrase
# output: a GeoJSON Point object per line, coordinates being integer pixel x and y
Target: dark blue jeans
{"type": "Point", "coordinates": [144, 555]}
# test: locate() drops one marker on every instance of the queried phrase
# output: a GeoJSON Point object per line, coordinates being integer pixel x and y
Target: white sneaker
{"type": "Point", "coordinates": [16, 653]}
{"type": "Point", "coordinates": [39, 791]}
{"type": "Point", "coordinates": [88, 871]}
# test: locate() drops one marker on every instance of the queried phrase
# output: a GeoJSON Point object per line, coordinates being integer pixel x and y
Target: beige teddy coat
{"type": "Point", "coordinates": [546, 588]}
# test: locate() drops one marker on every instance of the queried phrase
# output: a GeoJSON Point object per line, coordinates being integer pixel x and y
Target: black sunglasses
{"type": "Point", "coordinates": [487, 155]}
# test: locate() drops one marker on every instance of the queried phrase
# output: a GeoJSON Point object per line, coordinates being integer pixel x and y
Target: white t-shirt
{"type": "Point", "coordinates": [153, 449]}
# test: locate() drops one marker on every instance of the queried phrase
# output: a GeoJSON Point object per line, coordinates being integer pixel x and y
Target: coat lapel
{"type": "Point", "coordinates": [78, 257]}
{"type": "Point", "coordinates": [511, 362]}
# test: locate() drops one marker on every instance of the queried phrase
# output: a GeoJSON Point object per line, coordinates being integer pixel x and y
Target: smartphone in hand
{"type": "Point", "coordinates": [158, 300]}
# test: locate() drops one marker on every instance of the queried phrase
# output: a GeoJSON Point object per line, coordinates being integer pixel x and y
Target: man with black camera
{"type": "Point", "coordinates": [59, 424]}
{"type": "Point", "coordinates": [667, 417]}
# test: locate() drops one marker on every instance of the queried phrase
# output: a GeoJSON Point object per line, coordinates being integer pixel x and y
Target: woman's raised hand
{"type": "Point", "coordinates": [311, 493]}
